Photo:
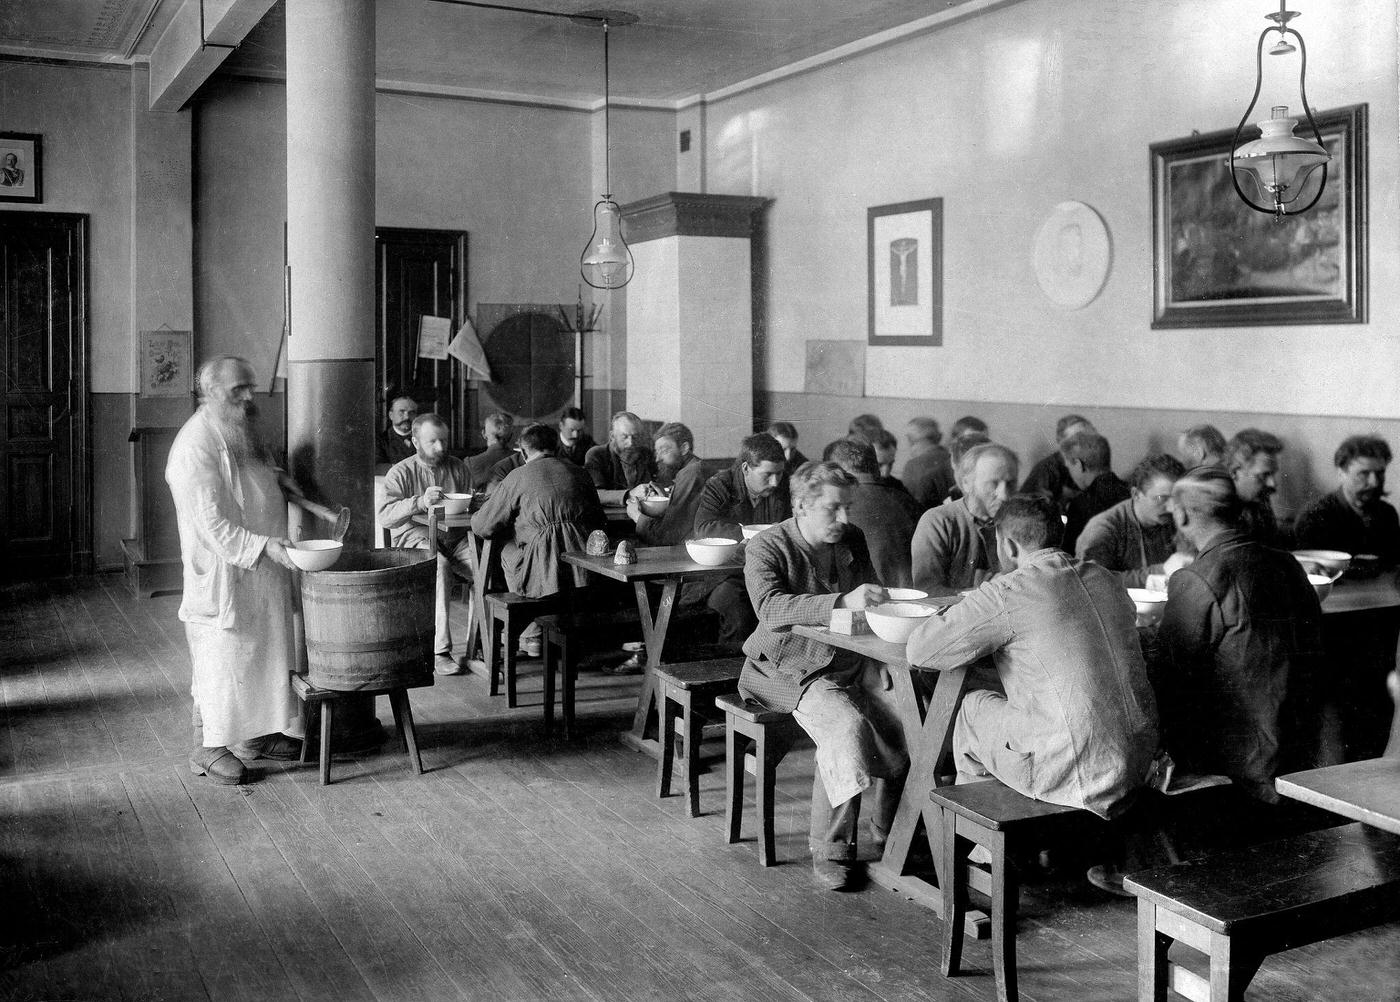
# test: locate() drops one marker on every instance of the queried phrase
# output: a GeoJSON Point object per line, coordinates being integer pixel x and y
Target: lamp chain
{"type": "Point", "coordinates": [607, 120]}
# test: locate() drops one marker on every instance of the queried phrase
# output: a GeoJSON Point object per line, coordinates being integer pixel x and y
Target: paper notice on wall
{"type": "Point", "coordinates": [466, 348]}
{"type": "Point", "coordinates": [433, 335]}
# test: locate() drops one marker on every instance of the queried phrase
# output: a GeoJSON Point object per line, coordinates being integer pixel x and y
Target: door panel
{"type": "Point", "coordinates": [418, 273]}
{"type": "Point", "coordinates": [45, 525]}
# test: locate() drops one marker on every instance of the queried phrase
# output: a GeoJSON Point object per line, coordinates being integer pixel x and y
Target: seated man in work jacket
{"type": "Point", "coordinates": [798, 572]}
{"type": "Point", "coordinates": [1078, 723]}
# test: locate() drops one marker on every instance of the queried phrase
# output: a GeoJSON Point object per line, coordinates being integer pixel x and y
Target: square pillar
{"type": "Point", "coordinates": [690, 314]}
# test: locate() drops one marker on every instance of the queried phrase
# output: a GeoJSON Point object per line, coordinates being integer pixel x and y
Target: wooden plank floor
{"type": "Point", "coordinates": [515, 869]}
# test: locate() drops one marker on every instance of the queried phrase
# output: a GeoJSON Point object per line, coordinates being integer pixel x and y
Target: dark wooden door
{"type": "Point", "coordinates": [45, 505]}
{"type": "Point", "coordinates": [418, 273]}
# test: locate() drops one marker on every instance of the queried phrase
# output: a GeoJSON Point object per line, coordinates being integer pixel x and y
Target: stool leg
{"type": "Point", "coordinates": [694, 731]}
{"type": "Point", "coordinates": [764, 783]}
{"type": "Point", "coordinates": [1004, 896]}
{"type": "Point", "coordinates": [547, 643]}
{"type": "Point", "coordinates": [666, 724]}
{"type": "Point", "coordinates": [305, 755]}
{"type": "Point", "coordinates": [569, 676]}
{"type": "Point", "coordinates": [489, 643]}
{"type": "Point", "coordinates": [954, 893]}
{"type": "Point", "coordinates": [734, 751]}
{"type": "Point", "coordinates": [403, 719]}
{"type": "Point", "coordinates": [512, 638]}
{"type": "Point", "coordinates": [1231, 969]}
{"type": "Point", "coordinates": [326, 741]}
{"type": "Point", "coordinates": [1152, 955]}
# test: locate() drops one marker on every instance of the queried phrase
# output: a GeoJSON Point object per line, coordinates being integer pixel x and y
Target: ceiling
{"type": "Point", "coordinates": [679, 48]}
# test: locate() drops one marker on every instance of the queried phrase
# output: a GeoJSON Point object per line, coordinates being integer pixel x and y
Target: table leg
{"type": "Point", "coordinates": [928, 736]}
{"type": "Point", "coordinates": [479, 625]}
{"type": "Point", "coordinates": [654, 627]}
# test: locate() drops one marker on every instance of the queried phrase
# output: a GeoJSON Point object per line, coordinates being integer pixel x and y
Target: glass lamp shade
{"type": "Point", "coordinates": [607, 262]}
{"type": "Point", "coordinates": [1278, 162]}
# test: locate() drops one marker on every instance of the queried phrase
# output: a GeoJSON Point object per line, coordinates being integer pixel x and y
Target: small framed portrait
{"type": "Point", "coordinates": [165, 363]}
{"type": "Point", "coordinates": [21, 167]}
{"type": "Point", "coordinates": [904, 254]}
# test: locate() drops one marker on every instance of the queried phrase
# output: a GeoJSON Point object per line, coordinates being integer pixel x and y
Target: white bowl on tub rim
{"type": "Point", "coordinates": [315, 554]}
{"type": "Point", "coordinates": [711, 551]}
{"type": "Point", "coordinates": [895, 621]}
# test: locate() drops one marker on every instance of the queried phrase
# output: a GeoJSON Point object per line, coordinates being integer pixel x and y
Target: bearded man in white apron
{"type": "Point", "coordinates": [237, 606]}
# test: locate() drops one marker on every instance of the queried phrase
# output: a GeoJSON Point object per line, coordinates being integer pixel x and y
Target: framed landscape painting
{"type": "Point", "coordinates": [905, 273]}
{"type": "Point", "coordinates": [1219, 263]}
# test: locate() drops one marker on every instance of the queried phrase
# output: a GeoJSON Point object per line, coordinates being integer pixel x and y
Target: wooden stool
{"type": "Point", "coordinates": [990, 815]}
{"type": "Point", "coordinates": [326, 698]}
{"type": "Point", "coordinates": [509, 614]}
{"type": "Point", "coordinates": [1238, 907]}
{"type": "Point", "coordinates": [680, 690]}
{"type": "Point", "coordinates": [772, 734]}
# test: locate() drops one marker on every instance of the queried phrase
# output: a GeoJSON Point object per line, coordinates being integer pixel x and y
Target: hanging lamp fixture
{"type": "Point", "coordinates": [606, 262]}
{"type": "Point", "coordinates": [1278, 163]}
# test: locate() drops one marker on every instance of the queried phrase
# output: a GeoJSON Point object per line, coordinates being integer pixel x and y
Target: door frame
{"type": "Point", "coordinates": [457, 388]}
{"type": "Point", "coordinates": [80, 552]}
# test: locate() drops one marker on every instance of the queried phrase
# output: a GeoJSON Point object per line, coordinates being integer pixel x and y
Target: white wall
{"type": "Point", "coordinates": [1004, 116]}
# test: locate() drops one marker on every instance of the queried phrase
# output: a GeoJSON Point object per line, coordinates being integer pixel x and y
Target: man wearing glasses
{"type": "Point", "coordinates": [1136, 537]}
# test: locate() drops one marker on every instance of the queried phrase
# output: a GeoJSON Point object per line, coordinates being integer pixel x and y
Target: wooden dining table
{"type": "Point", "coordinates": [668, 567]}
{"type": "Point", "coordinates": [1367, 791]}
{"type": "Point", "coordinates": [928, 736]}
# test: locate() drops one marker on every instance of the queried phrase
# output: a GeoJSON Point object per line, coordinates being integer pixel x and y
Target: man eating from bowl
{"type": "Point", "coordinates": [680, 470]}
{"type": "Point", "coordinates": [1355, 517]}
{"type": "Point", "coordinates": [798, 572]}
{"type": "Point", "coordinates": [411, 487]}
{"type": "Point", "coordinates": [1078, 723]}
{"type": "Point", "coordinates": [622, 462]}
{"type": "Point", "coordinates": [954, 545]}
{"type": "Point", "coordinates": [1136, 537]}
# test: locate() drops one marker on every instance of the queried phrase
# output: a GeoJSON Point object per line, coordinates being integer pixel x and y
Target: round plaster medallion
{"type": "Point", "coordinates": [1071, 255]}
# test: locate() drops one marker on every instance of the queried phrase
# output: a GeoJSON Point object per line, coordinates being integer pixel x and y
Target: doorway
{"type": "Point", "coordinates": [418, 273]}
{"type": "Point", "coordinates": [45, 466]}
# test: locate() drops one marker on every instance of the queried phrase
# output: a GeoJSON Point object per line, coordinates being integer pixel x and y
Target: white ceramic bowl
{"type": "Point", "coordinates": [654, 506]}
{"type": "Point", "coordinates": [1322, 584]}
{"type": "Point", "coordinates": [1149, 604]}
{"type": "Point", "coordinates": [314, 554]}
{"type": "Point", "coordinates": [904, 594]}
{"type": "Point", "coordinates": [895, 621]}
{"type": "Point", "coordinates": [456, 504]}
{"type": "Point", "coordinates": [753, 530]}
{"type": "Point", "coordinates": [1330, 562]}
{"type": "Point", "coordinates": [712, 550]}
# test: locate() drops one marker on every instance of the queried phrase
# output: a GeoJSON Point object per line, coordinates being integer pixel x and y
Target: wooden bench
{"type": "Point", "coordinates": [771, 734]}
{"type": "Point", "coordinates": [1240, 906]}
{"type": "Point", "coordinates": [999, 819]}
{"type": "Point", "coordinates": [683, 692]}
{"type": "Point", "coordinates": [326, 699]}
{"type": "Point", "coordinates": [508, 613]}
{"type": "Point", "coordinates": [565, 636]}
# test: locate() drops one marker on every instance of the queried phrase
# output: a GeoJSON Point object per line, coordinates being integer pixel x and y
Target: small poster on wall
{"type": "Point", "coordinates": [433, 335]}
{"type": "Point", "coordinates": [165, 363]}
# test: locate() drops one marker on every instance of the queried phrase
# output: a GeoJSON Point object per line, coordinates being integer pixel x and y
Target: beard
{"type": "Point", "coordinates": [666, 472]}
{"type": "Point", "coordinates": [238, 423]}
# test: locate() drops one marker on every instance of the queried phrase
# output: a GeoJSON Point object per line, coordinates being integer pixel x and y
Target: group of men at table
{"type": "Point", "coordinates": [1068, 714]}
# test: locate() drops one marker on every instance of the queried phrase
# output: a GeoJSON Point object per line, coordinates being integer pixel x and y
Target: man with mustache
{"type": "Point", "coordinates": [411, 487]}
{"type": "Point", "coordinates": [623, 462]}
{"type": "Point", "coordinates": [237, 603]}
{"type": "Point", "coordinates": [395, 442]}
{"type": "Point", "coordinates": [1354, 518]}
{"type": "Point", "coordinates": [678, 467]}
{"type": "Point", "coordinates": [954, 546]}
{"type": "Point", "coordinates": [798, 572]}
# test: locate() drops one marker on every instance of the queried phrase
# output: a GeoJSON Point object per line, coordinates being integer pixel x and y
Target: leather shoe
{"type": "Point", "coordinates": [219, 764]}
{"type": "Point", "coordinates": [531, 648]}
{"type": "Point", "coordinates": [443, 664]}
{"type": "Point", "coordinates": [632, 666]}
{"type": "Point", "coordinates": [1108, 878]}
{"type": "Point", "coordinates": [276, 747]}
{"type": "Point", "coordinates": [830, 874]}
